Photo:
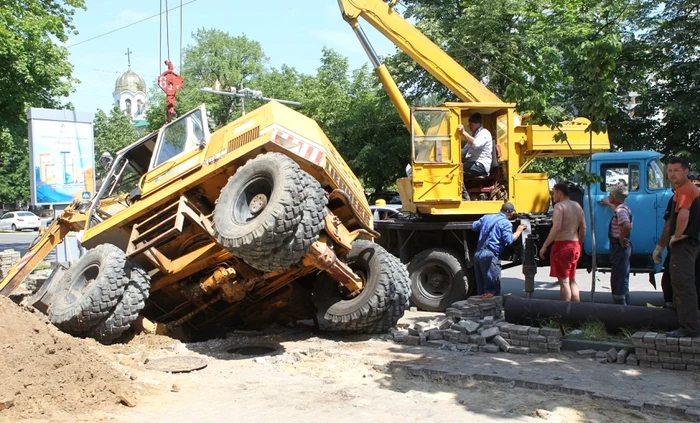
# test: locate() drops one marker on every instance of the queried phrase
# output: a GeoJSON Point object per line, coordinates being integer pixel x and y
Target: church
{"type": "Point", "coordinates": [130, 94]}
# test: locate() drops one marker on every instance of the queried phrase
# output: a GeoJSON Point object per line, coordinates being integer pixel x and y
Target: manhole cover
{"type": "Point", "coordinates": [252, 350]}
{"type": "Point", "coordinates": [177, 364]}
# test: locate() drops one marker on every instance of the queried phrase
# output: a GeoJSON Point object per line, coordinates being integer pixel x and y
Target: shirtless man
{"type": "Point", "coordinates": [567, 234]}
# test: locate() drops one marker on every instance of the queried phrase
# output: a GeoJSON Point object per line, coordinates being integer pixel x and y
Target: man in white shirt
{"type": "Point", "coordinates": [478, 149]}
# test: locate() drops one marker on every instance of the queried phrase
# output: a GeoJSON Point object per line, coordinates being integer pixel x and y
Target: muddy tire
{"type": "Point", "coordinates": [127, 310]}
{"type": "Point", "coordinates": [383, 300]}
{"type": "Point", "coordinates": [438, 279]}
{"type": "Point", "coordinates": [313, 213]}
{"type": "Point", "coordinates": [259, 208]}
{"type": "Point", "coordinates": [90, 290]}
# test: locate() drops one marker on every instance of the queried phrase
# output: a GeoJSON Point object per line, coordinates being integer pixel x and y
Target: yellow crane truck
{"type": "Point", "coordinates": [260, 221]}
{"type": "Point", "coordinates": [436, 240]}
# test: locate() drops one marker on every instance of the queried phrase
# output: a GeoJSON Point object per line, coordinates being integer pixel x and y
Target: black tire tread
{"type": "Point", "coordinates": [383, 308]}
{"type": "Point", "coordinates": [277, 226]}
{"type": "Point", "coordinates": [99, 299]}
{"type": "Point", "coordinates": [127, 310]}
{"type": "Point", "coordinates": [458, 289]}
{"type": "Point", "coordinates": [313, 213]}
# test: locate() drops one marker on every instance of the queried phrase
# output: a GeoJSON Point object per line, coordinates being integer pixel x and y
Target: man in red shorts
{"type": "Point", "coordinates": [567, 234]}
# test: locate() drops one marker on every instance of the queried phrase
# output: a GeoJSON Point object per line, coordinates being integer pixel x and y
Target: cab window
{"type": "Point", "coordinates": [431, 136]}
{"type": "Point", "coordinates": [655, 175]}
{"type": "Point", "coordinates": [184, 134]}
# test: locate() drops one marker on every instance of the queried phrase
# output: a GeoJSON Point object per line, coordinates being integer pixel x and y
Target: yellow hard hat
{"type": "Point", "coordinates": [380, 202]}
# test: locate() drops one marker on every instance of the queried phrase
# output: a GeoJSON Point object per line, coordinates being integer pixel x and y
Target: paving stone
{"type": "Point", "coordinates": [660, 338]}
{"type": "Point", "coordinates": [489, 348]}
{"type": "Point", "coordinates": [671, 340]}
{"type": "Point", "coordinates": [489, 333]}
{"type": "Point", "coordinates": [505, 335]}
{"type": "Point", "coordinates": [600, 355]}
{"type": "Point", "coordinates": [685, 342]}
{"type": "Point", "coordinates": [622, 356]}
{"type": "Point", "coordinates": [467, 326]}
{"type": "Point", "coordinates": [488, 320]}
{"type": "Point", "coordinates": [422, 338]}
{"type": "Point", "coordinates": [677, 366]}
{"type": "Point", "coordinates": [454, 313]}
{"type": "Point", "coordinates": [553, 339]}
{"type": "Point", "coordinates": [632, 360]}
{"type": "Point", "coordinates": [435, 334]}
{"type": "Point", "coordinates": [451, 335]}
{"type": "Point", "coordinates": [692, 367]}
{"type": "Point", "coordinates": [502, 343]}
{"type": "Point", "coordinates": [586, 353]}
{"type": "Point", "coordinates": [550, 332]}
{"type": "Point", "coordinates": [667, 366]}
{"type": "Point", "coordinates": [523, 330]}
{"type": "Point", "coordinates": [464, 347]}
{"type": "Point", "coordinates": [464, 338]}
{"type": "Point", "coordinates": [533, 331]}
{"type": "Point", "coordinates": [650, 337]}
{"type": "Point", "coordinates": [519, 350]}
{"type": "Point", "coordinates": [413, 331]}
{"type": "Point", "coordinates": [445, 324]}
{"type": "Point", "coordinates": [638, 339]}
{"type": "Point", "coordinates": [411, 340]}
{"type": "Point", "coordinates": [424, 326]}
{"type": "Point", "coordinates": [477, 339]}
{"type": "Point", "coordinates": [644, 363]}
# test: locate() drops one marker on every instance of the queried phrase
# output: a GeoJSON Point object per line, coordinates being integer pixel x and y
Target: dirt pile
{"type": "Point", "coordinates": [45, 373]}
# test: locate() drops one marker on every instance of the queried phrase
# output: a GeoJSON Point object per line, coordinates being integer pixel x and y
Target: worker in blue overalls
{"type": "Point", "coordinates": [495, 233]}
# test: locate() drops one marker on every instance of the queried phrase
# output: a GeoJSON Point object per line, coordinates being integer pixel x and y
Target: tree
{"type": "Point", "coordinates": [112, 133]}
{"type": "Point", "coordinates": [35, 72]}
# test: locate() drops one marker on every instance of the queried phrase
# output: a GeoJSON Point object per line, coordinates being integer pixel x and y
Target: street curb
{"type": "Point", "coordinates": [457, 378]}
{"type": "Point", "coordinates": [587, 344]}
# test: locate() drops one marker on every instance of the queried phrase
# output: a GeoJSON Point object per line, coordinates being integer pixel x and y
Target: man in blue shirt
{"type": "Point", "coordinates": [495, 233]}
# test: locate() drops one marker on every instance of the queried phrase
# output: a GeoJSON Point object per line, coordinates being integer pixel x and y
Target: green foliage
{"type": "Point", "coordinates": [35, 73]}
{"type": "Point", "coordinates": [215, 59]}
{"type": "Point", "coordinates": [112, 133]}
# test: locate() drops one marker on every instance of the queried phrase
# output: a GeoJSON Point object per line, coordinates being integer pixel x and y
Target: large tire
{"type": "Point", "coordinates": [90, 290]}
{"type": "Point", "coordinates": [438, 279]}
{"type": "Point", "coordinates": [313, 213]}
{"type": "Point", "coordinates": [253, 229]}
{"type": "Point", "coordinates": [383, 300]}
{"type": "Point", "coordinates": [127, 310]}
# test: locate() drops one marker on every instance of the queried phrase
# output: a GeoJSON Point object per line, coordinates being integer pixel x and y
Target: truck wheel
{"type": "Point", "coordinates": [127, 310]}
{"type": "Point", "coordinates": [438, 279]}
{"type": "Point", "coordinates": [381, 303]}
{"type": "Point", "coordinates": [313, 213]}
{"type": "Point", "coordinates": [259, 208]}
{"type": "Point", "coordinates": [90, 290]}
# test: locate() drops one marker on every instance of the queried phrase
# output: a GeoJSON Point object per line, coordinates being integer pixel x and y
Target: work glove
{"type": "Point", "coordinates": [657, 254]}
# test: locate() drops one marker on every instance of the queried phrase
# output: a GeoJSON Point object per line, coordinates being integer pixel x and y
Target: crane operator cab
{"type": "Point", "coordinates": [439, 171]}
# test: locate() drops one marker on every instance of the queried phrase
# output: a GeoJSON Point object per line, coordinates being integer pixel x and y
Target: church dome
{"type": "Point", "coordinates": [130, 81]}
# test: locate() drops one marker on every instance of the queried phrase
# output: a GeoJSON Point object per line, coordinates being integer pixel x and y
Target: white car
{"type": "Point", "coordinates": [613, 177]}
{"type": "Point", "coordinates": [19, 220]}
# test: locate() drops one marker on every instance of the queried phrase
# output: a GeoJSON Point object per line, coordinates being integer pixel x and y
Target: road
{"type": "Point", "coordinates": [20, 241]}
{"type": "Point", "coordinates": [512, 282]}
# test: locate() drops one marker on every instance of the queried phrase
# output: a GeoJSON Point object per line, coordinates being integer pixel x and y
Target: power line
{"type": "Point", "coordinates": [129, 25]}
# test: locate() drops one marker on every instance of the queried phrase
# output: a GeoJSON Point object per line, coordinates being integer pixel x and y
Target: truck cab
{"type": "Point", "coordinates": [642, 173]}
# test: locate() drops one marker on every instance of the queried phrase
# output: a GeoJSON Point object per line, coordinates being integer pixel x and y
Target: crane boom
{"type": "Point", "coordinates": [420, 48]}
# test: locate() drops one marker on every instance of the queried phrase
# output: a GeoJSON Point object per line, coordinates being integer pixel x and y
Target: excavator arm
{"type": "Point", "coordinates": [73, 218]}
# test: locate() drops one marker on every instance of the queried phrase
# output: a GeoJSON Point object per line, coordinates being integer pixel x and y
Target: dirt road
{"type": "Point", "coordinates": [50, 376]}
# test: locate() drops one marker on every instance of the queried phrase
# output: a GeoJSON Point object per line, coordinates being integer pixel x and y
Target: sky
{"type": "Point", "coordinates": [291, 33]}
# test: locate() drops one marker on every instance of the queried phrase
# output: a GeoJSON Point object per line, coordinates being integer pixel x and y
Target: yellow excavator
{"type": "Point", "coordinates": [437, 242]}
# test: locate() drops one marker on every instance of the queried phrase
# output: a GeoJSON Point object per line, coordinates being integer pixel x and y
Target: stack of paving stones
{"type": "Point", "coordinates": [665, 352]}
{"type": "Point", "coordinates": [8, 258]}
{"type": "Point", "coordinates": [476, 324]}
